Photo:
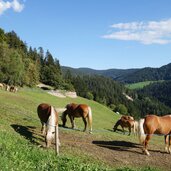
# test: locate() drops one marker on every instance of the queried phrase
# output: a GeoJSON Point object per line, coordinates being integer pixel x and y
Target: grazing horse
{"type": "Point", "coordinates": [13, 89]}
{"type": "Point", "coordinates": [49, 119]}
{"type": "Point", "coordinates": [7, 87]}
{"type": "Point", "coordinates": [1, 85]}
{"type": "Point", "coordinates": [125, 121]}
{"type": "Point", "coordinates": [153, 124]}
{"type": "Point", "coordinates": [127, 117]}
{"type": "Point", "coordinates": [78, 110]}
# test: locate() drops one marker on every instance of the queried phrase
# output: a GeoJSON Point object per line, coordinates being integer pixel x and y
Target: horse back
{"type": "Point", "coordinates": [157, 124]}
{"type": "Point", "coordinates": [44, 111]}
{"type": "Point", "coordinates": [125, 123]}
{"type": "Point", "coordinates": [81, 110]}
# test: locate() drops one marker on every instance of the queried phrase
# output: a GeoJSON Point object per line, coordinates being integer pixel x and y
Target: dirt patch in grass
{"type": "Point", "coordinates": [118, 153]}
{"type": "Point", "coordinates": [115, 153]}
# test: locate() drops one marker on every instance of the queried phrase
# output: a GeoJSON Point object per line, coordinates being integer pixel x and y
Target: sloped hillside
{"type": "Point", "coordinates": [104, 150]}
{"type": "Point", "coordinates": [160, 91]}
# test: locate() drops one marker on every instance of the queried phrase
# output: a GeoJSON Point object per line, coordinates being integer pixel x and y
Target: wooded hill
{"type": "Point", "coordinates": [21, 65]}
{"type": "Point", "coordinates": [128, 75]}
{"type": "Point", "coordinates": [152, 98]}
{"type": "Point", "coordinates": [115, 74]}
{"type": "Point", "coordinates": [26, 66]}
{"type": "Point", "coordinates": [159, 90]}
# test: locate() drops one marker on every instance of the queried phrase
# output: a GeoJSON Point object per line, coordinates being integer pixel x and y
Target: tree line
{"type": "Point", "coordinates": [159, 90]}
{"type": "Point", "coordinates": [148, 74]}
{"type": "Point", "coordinates": [22, 65]}
{"type": "Point", "coordinates": [113, 94]}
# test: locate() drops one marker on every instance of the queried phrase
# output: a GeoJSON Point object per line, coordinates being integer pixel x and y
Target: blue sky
{"type": "Point", "coordinates": [98, 34]}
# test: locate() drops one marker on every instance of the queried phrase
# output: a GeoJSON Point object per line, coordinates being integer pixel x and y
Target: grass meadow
{"type": "Point", "coordinates": [20, 137]}
{"type": "Point", "coordinates": [140, 85]}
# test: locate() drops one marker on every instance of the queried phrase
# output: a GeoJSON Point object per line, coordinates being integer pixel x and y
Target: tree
{"type": "Point", "coordinates": [121, 108]}
{"type": "Point", "coordinates": [2, 36]}
{"type": "Point", "coordinates": [31, 73]}
{"type": "Point", "coordinates": [112, 107]}
{"type": "Point", "coordinates": [11, 66]}
{"type": "Point", "coordinates": [89, 96]}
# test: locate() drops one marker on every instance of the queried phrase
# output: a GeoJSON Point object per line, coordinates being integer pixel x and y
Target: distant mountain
{"type": "Point", "coordinates": [149, 74]}
{"type": "Point", "coordinates": [127, 75]}
{"type": "Point", "coordinates": [115, 74]}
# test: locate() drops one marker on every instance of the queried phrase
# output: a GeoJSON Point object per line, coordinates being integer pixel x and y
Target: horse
{"type": "Point", "coordinates": [153, 124]}
{"type": "Point", "coordinates": [125, 121]}
{"type": "Point", "coordinates": [49, 119]}
{"type": "Point", "coordinates": [13, 89]}
{"type": "Point", "coordinates": [7, 87]}
{"type": "Point", "coordinates": [1, 85]}
{"type": "Point", "coordinates": [126, 117]}
{"type": "Point", "coordinates": [78, 110]}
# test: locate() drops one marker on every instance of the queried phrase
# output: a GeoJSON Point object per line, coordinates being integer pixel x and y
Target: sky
{"type": "Point", "coordinates": [98, 34]}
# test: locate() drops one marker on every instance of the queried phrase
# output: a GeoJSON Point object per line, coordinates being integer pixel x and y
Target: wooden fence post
{"type": "Point", "coordinates": [56, 140]}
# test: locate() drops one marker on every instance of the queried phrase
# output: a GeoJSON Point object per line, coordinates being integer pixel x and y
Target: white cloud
{"type": "Point", "coordinates": [15, 5]}
{"type": "Point", "coordinates": [144, 32]}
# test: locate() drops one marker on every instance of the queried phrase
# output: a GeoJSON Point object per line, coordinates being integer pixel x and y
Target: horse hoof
{"type": "Point", "coordinates": [146, 152]}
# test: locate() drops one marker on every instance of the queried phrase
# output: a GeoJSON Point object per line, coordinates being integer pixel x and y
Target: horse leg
{"type": "Point", "coordinates": [48, 138]}
{"type": "Point", "coordinates": [129, 130]}
{"type": "Point", "coordinates": [169, 146]}
{"type": "Point", "coordinates": [166, 143]}
{"type": "Point", "coordinates": [114, 128]}
{"type": "Point", "coordinates": [43, 130]}
{"type": "Point", "coordinates": [146, 144]}
{"type": "Point", "coordinates": [85, 124]}
{"type": "Point", "coordinates": [72, 121]}
{"type": "Point", "coordinates": [123, 130]}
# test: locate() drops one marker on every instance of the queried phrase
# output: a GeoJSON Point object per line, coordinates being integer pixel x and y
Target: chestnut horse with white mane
{"type": "Point", "coordinates": [152, 124]}
{"type": "Point", "coordinates": [49, 119]}
{"type": "Point", "coordinates": [78, 110]}
{"type": "Point", "coordinates": [126, 122]}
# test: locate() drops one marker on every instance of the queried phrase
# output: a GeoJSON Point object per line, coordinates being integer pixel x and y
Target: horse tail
{"type": "Point", "coordinates": [51, 123]}
{"type": "Point", "coordinates": [134, 127]}
{"type": "Point", "coordinates": [141, 133]}
{"type": "Point", "coordinates": [90, 118]}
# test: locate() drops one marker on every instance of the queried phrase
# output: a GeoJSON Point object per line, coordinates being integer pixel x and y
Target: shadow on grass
{"type": "Point", "coordinates": [118, 145]}
{"type": "Point", "coordinates": [69, 128]}
{"type": "Point", "coordinates": [27, 132]}
{"type": "Point", "coordinates": [120, 131]}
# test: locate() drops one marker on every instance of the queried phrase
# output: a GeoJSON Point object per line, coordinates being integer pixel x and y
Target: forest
{"type": "Point", "coordinates": [127, 75]}
{"type": "Point", "coordinates": [21, 65]}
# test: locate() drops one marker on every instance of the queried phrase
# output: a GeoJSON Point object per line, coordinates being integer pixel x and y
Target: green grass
{"type": "Point", "coordinates": [140, 85]}
{"type": "Point", "coordinates": [20, 134]}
